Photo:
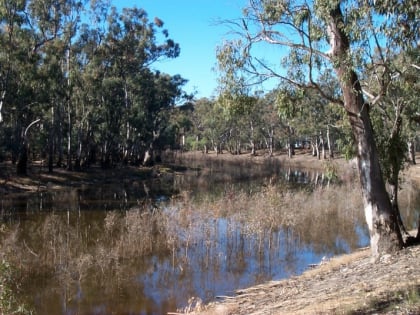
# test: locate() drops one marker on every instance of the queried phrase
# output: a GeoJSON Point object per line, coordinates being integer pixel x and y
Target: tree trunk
{"type": "Point", "coordinates": [69, 137]}
{"type": "Point", "coordinates": [314, 145]}
{"type": "Point", "coordinates": [150, 154]}
{"type": "Point", "coordinates": [385, 235]}
{"type": "Point", "coordinates": [59, 132]}
{"type": "Point", "coordinates": [69, 114]}
{"type": "Point", "coordinates": [412, 151]}
{"type": "Point", "coordinates": [330, 144]}
{"type": "Point", "coordinates": [271, 142]}
{"type": "Point", "coordinates": [252, 142]}
{"type": "Point", "coordinates": [290, 147]}
{"type": "Point", "coordinates": [322, 145]}
{"type": "Point", "coordinates": [22, 163]}
{"type": "Point", "coordinates": [317, 145]}
{"type": "Point", "coordinates": [51, 150]}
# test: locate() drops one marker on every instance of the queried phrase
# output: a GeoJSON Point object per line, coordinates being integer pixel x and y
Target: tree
{"type": "Point", "coordinates": [126, 98]}
{"type": "Point", "coordinates": [318, 38]}
{"type": "Point", "coordinates": [393, 119]}
{"type": "Point", "coordinates": [91, 85]}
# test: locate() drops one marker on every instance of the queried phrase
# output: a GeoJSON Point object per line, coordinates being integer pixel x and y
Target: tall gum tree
{"type": "Point", "coordinates": [337, 37]}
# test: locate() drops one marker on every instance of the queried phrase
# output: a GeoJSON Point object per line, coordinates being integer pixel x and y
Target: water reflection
{"type": "Point", "coordinates": [146, 254]}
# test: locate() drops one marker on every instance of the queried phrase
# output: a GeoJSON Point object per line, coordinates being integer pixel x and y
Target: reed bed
{"type": "Point", "coordinates": [209, 229]}
{"type": "Point", "coordinates": [62, 244]}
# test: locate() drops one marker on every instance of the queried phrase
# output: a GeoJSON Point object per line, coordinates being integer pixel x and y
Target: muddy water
{"type": "Point", "coordinates": [145, 248]}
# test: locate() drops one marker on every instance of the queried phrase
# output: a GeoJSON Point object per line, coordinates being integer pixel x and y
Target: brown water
{"type": "Point", "coordinates": [150, 247]}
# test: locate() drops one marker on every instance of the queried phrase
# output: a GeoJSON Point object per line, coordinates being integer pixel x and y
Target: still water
{"type": "Point", "coordinates": [158, 246]}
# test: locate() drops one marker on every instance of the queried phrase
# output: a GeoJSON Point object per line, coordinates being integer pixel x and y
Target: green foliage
{"type": "Point", "coordinates": [330, 170]}
{"type": "Point", "coordinates": [91, 84]}
{"type": "Point", "coordinates": [289, 102]}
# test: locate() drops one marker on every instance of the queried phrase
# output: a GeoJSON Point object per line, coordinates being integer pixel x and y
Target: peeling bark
{"type": "Point", "coordinates": [385, 235]}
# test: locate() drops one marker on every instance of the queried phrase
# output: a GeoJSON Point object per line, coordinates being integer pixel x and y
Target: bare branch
{"type": "Point", "coordinates": [373, 99]}
{"type": "Point", "coordinates": [415, 66]}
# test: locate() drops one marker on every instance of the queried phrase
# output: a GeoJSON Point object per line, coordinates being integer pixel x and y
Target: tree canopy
{"type": "Point", "coordinates": [353, 43]}
{"type": "Point", "coordinates": [83, 70]}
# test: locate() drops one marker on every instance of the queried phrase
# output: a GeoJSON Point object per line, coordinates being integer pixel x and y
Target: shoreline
{"type": "Point", "coordinates": [347, 284]}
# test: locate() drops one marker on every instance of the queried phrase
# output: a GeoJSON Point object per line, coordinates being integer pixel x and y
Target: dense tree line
{"type": "Point", "coordinates": [77, 85]}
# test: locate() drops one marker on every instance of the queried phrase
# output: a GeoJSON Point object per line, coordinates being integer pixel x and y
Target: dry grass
{"type": "Point", "coordinates": [62, 246]}
{"type": "Point", "coordinates": [70, 250]}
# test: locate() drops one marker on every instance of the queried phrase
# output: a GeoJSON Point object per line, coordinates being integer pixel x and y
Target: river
{"type": "Point", "coordinates": [183, 238]}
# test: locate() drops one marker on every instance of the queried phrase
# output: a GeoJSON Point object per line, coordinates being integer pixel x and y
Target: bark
{"type": "Point", "coordinates": [21, 166]}
{"type": "Point", "coordinates": [2, 97]}
{"type": "Point", "coordinates": [252, 142]}
{"type": "Point", "coordinates": [385, 235]}
{"type": "Point", "coordinates": [412, 151]}
{"type": "Point", "coordinates": [271, 142]}
{"type": "Point", "coordinates": [322, 145]}
{"type": "Point", "coordinates": [50, 151]}
{"type": "Point", "coordinates": [330, 144]}
{"type": "Point", "coordinates": [317, 145]}
{"type": "Point", "coordinates": [51, 143]}
{"type": "Point", "coordinates": [314, 145]}
{"type": "Point", "coordinates": [149, 156]}
{"type": "Point", "coordinates": [394, 203]}
{"type": "Point", "coordinates": [290, 146]}
{"type": "Point", "coordinates": [69, 116]}
{"type": "Point", "coordinates": [396, 159]}
{"type": "Point", "coordinates": [69, 138]}
{"type": "Point", "coordinates": [78, 161]}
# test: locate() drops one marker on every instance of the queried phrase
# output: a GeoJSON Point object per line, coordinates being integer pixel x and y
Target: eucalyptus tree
{"type": "Point", "coordinates": [394, 116]}
{"type": "Point", "coordinates": [205, 118]}
{"type": "Point", "coordinates": [271, 122]}
{"type": "Point", "coordinates": [333, 37]}
{"type": "Point", "coordinates": [163, 95]}
{"type": "Point", "coordinates": [120, 61]}
{"type": "Point", "coordinates": [240, 111]}
{"type": "Point", "coordinates": [312, 116]}
{"type": "Point", "coordinates": [56, 23]}
{"type": "Point", "coordinates": [214, 124]}
{"type": "Point", "coordinates": [19, 77]}
{"type": "Point", "coordinates": [196, 117]}
{"type": "Point", "coordinates": [35, 37]}
{"type": "Point", "coordinates": [180, 133]}
{"type": "Point", "coordinates": [12, 34]}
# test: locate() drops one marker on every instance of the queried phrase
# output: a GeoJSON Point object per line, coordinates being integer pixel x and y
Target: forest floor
{"type": "Point", "coordinates": [348, 284]}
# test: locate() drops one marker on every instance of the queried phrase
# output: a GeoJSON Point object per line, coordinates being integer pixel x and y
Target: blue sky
{"type": "Point", "coordinates": [191, 23]}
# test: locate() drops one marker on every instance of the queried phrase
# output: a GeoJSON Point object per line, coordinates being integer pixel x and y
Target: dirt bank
{"type": "Point", "coordinates": [349, 284]}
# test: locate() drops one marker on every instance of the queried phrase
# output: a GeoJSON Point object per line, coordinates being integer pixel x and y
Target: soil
{"type": "Point", "coordinates": [349, 284]}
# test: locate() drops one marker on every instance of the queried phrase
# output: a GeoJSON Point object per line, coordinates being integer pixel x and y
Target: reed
{"type": "Point", "coordinates": [271, 218]}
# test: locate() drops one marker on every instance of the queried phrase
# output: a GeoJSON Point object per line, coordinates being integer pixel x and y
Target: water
{"type": "Point", "coordinates": [150, 247]}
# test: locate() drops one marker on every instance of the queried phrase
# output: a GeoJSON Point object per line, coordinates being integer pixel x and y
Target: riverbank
{"type": "Point", "coordinates": [348, 284]}
{"type": "Point", "coordinates": [39, 179]}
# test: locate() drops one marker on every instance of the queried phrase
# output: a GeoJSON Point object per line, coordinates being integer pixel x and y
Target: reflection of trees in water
{"type": "Point", "coordinates": [188, 247]}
